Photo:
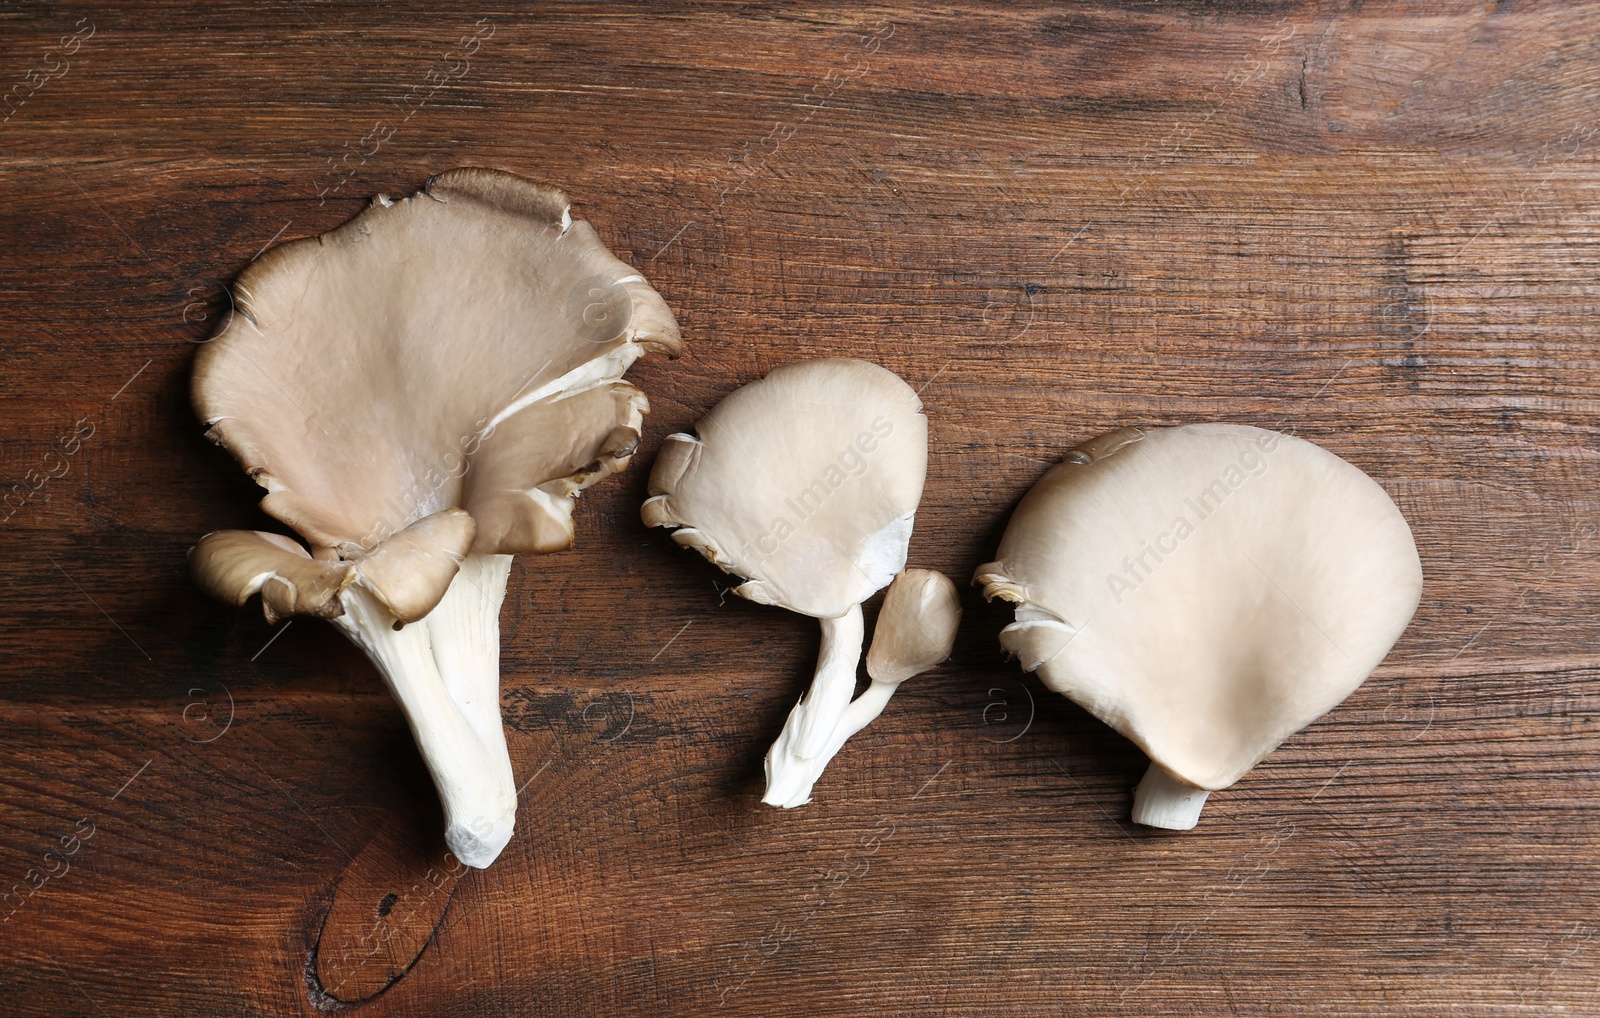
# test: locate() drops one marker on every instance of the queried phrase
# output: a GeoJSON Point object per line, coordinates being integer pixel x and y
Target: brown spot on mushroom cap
{"type": "Point", "coordinates": [1206, 590]}
{"type": "Point", "coordinates": [457, 348]}
{"type": "Point", "coordinates": [805, 482]}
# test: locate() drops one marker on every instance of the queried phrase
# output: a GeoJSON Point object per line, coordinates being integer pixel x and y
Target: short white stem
{"type": "Point", "coordinates": [444, 671]}
{"type": "Point", "coordinates": [793, 763]}
{"type": "Point", "coordinates": [833, 685]}
{"type": "Point", "coordinates": [1164, 800]}
{"type": "Point", "coordinates": [789, 782]}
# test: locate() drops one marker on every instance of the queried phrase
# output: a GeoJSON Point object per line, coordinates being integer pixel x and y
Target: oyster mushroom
{"type": "Point", "coordinates": [1205, 590]}
{"type": "Point", "coordinates": [806, 483]}
{"type": "Point", "coordinates": [423, 392]}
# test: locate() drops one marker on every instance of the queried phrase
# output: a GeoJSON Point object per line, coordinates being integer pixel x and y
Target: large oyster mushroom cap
{"type": "Point", "coordinates": [1206, 590]}
{"type": "Point", "coordinates": [366, 367]}
{"type": "Point", "coordinates": [423, 391]}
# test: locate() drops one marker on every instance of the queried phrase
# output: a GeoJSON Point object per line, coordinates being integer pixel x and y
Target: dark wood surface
{"type": "Point", "coordinates": [1373, 225]}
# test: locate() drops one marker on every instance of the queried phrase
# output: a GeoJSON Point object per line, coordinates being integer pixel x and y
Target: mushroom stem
{"type": "Point", "coordinates": [810, 727]}
{"type": "Point", "coordinates": [789, 784]}
{"type": "Point", "coordinates": [834, 684]}
{"type": "Point", "coordinates": [863, 710]}
{"type": "Point", "coordinates": [465, 633]}
{"type": "Point", "coordinates": [444, 671]}
{"type": "Point", "coordinates": [1165, 800]}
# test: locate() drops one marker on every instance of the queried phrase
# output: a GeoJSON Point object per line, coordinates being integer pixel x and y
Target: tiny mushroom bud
{"type": "Point", "coordinates": [806, 483]}
{"type": "Point", "coordinates": [916, 627]}
{"type": "Point", "coordinates": [422, 392]}
{"type": "Point", "coordinates": [1205, 590]}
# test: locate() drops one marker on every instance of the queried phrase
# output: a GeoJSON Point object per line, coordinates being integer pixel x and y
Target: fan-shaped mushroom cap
{"type": "Point", "coordinates": [1205, 590]}
{"type": "Point", "coordinates": [459, 348]}
{"type": "Point", "coordinates": [806, 482]}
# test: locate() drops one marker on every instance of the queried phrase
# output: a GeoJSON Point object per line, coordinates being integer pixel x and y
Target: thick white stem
{"type": "Point", "coordinates": [444, 671]}
{"type": "Point", "coordinates": [465, 633]}
{"type": "Point", "coordinates": [801, 751]}
{"type": "Point", "coordinates": [1164, 800]}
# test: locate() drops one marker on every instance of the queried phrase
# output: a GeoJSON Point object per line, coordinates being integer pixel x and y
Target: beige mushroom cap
{"type": "Point", "coordinates": [458, 349]}
{"type": "Point", "coordinates": [1205, 590]}
{"type": "Point", "coordinates": [916, 627]}
{"type": "Point", "coordinates": [805, 482]}
{"type": "Point", "coordinates": [232, 565]}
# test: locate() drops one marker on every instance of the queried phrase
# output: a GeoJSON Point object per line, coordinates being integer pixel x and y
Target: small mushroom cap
{"type": "Point", "coordinates": [805, 482]}
{"type": "Point", "coordinates": [231, 565]}
{"type": "Point", "coordinates": [458, 350]}
{"type": "Point", "coordinates": [407, 573]}
{"type": "Point", "coordinates": [1205, 590]}
{"type": "Point", "coordinates": [916, 627]}
{"type": "Point", "coordinates": [410, 571]}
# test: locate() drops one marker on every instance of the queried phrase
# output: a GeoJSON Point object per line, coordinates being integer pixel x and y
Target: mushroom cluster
{"type": "Point", "coordinates": [1205, 590]}
{"type": "Point", "coordinates": [805, 483]}
{"type": "Point", "coordinates": [423, 392]}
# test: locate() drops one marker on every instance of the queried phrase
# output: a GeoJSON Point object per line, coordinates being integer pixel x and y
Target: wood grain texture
{"type": "Point", "coordinates": [1372, 224]}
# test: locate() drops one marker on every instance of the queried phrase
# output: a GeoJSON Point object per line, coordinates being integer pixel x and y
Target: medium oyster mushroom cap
{"type": "Point", "coordinates": [422, 392]}
{"type": "Point", "coordinates": [1205, 590]}
{"type": "Point", "coordinates": [806, 483]}
{"type": "Point", "coordinates": [473, 322]}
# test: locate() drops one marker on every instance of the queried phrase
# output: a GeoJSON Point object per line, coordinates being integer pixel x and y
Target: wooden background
{"type": "Point", "coordinates": [1372, 224]}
